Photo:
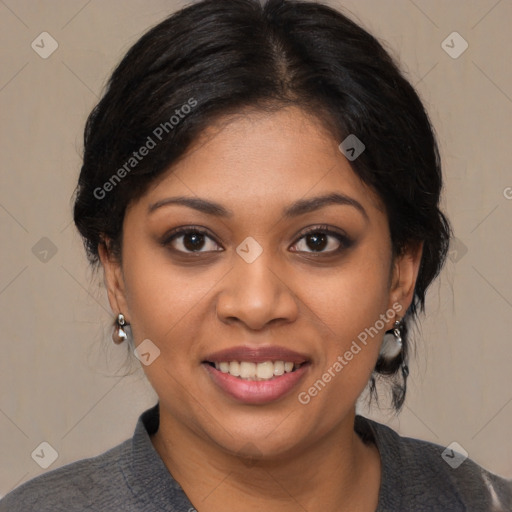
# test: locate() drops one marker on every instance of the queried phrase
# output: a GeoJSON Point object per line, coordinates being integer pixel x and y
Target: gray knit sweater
{"type": "Point", "coordinates": [132, 477]}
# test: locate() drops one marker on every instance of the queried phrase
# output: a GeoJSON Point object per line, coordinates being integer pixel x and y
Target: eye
{"type": "Point", "coordinates": [322, 239]}
{"type": "Point", "coordinates": [191, 240]}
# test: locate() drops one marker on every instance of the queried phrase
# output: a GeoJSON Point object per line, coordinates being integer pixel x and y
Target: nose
{"type": "Point", "coordinates": [256, 295]}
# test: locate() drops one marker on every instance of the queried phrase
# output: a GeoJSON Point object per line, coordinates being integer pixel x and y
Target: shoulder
{"type": "Point", "coordinates": [427, 475]}
{"type": "Point", "coordinates": [446, 472]}
{"type": "Point", "coordinates": [85, 485]}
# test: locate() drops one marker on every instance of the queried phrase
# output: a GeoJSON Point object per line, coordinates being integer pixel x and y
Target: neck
{"type": "Point", "coordinates": [337, 473]}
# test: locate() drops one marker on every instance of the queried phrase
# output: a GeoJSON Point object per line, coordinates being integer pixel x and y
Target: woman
{"type": "Point", "coordinates": [261, 188]}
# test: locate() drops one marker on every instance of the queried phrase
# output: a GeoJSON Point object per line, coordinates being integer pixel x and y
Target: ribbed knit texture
{"type": "Point", "coordinates": [132, 477]}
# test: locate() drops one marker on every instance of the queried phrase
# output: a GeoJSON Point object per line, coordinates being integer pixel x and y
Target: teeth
{"type": "Point", "coordinates": [279, 368]}
{"type": "Point", "coordinates": [256, 371]}
{"type": "Point", "coordinates": [247, 370]}
{"type": "Point", "coordinates": [234, 368]}
{"type": "Point", "coordinates": [265, 370]}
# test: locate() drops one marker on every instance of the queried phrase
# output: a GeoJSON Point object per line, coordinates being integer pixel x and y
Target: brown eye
{"type": "Point", "coordinates": [191, 240]}
{"type": "Point", "coordinates": [317, 241]}
{"type": "Point", "coordinates": [322, 240]}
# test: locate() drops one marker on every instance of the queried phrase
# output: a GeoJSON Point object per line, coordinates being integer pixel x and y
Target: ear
{"type": "Point", "coordinates": [114, 280]}
{"type": "Point", "coordinates": [403, 278]}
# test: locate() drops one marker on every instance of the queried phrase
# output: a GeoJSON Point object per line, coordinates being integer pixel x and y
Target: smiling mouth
{"type": "Point", "coordinates": [246, 370]}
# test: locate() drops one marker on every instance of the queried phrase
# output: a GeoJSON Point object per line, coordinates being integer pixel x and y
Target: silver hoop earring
{"type": "Point", "coordinates": [119, 335]}
{"type": "Point", "coordinates": [392, 342]}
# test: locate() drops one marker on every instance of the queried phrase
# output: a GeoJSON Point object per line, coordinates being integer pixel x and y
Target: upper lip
{"type": "Point", "coordinates": [256, 355]}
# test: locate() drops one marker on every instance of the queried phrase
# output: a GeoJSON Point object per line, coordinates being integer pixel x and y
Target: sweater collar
{"type": "Point", "coordinates": [152, 483]}
{"type": "Point", "coordinates": [145, 471]}
{"type": "Point", "coordinates": [387, 442]}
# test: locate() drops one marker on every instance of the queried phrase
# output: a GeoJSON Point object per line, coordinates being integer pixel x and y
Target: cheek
{"type": "Point", "coordinates": [352, 298]}
{"type": "Point", "coordinates": [344, 307]}
{"type": "Point", "coordinates": [161, 297]}
{"type": "Point", "coordinates": [350, 303]}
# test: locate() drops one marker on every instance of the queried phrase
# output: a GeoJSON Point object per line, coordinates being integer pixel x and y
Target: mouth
{"type": "Point", "coordinates": [247, 370]}
{"type": "Point", "coordinates": [256, 375]}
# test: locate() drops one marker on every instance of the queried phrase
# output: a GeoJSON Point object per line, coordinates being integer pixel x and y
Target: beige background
{"type": "Point", "coordinates": [59, 372]}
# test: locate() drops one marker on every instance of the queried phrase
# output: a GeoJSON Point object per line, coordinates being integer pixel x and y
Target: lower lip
{"type": "Point", "coordinates": [256, 391]}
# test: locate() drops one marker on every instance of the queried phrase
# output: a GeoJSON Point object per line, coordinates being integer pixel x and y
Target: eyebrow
{"type": "Point", "coordinates": [315, 203]}
{"type": "Point", "coordinates": [300, 207]}
{"type": "Point", "coordinates": [202, 205]}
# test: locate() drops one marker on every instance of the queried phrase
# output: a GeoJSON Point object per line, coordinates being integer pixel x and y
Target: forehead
{"type": "Point", "coordinates": [263, 159]}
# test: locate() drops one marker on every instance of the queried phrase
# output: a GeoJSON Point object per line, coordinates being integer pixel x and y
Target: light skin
{"type": "Point", "coordinates": [311, 295]}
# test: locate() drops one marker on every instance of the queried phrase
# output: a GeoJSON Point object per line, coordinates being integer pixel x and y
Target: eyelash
{"type": "Point", "coordinates": [343, 240]}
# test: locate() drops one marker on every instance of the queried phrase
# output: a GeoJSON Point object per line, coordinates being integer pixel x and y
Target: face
{"type": "Point", "coordinates": [276, 257]}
